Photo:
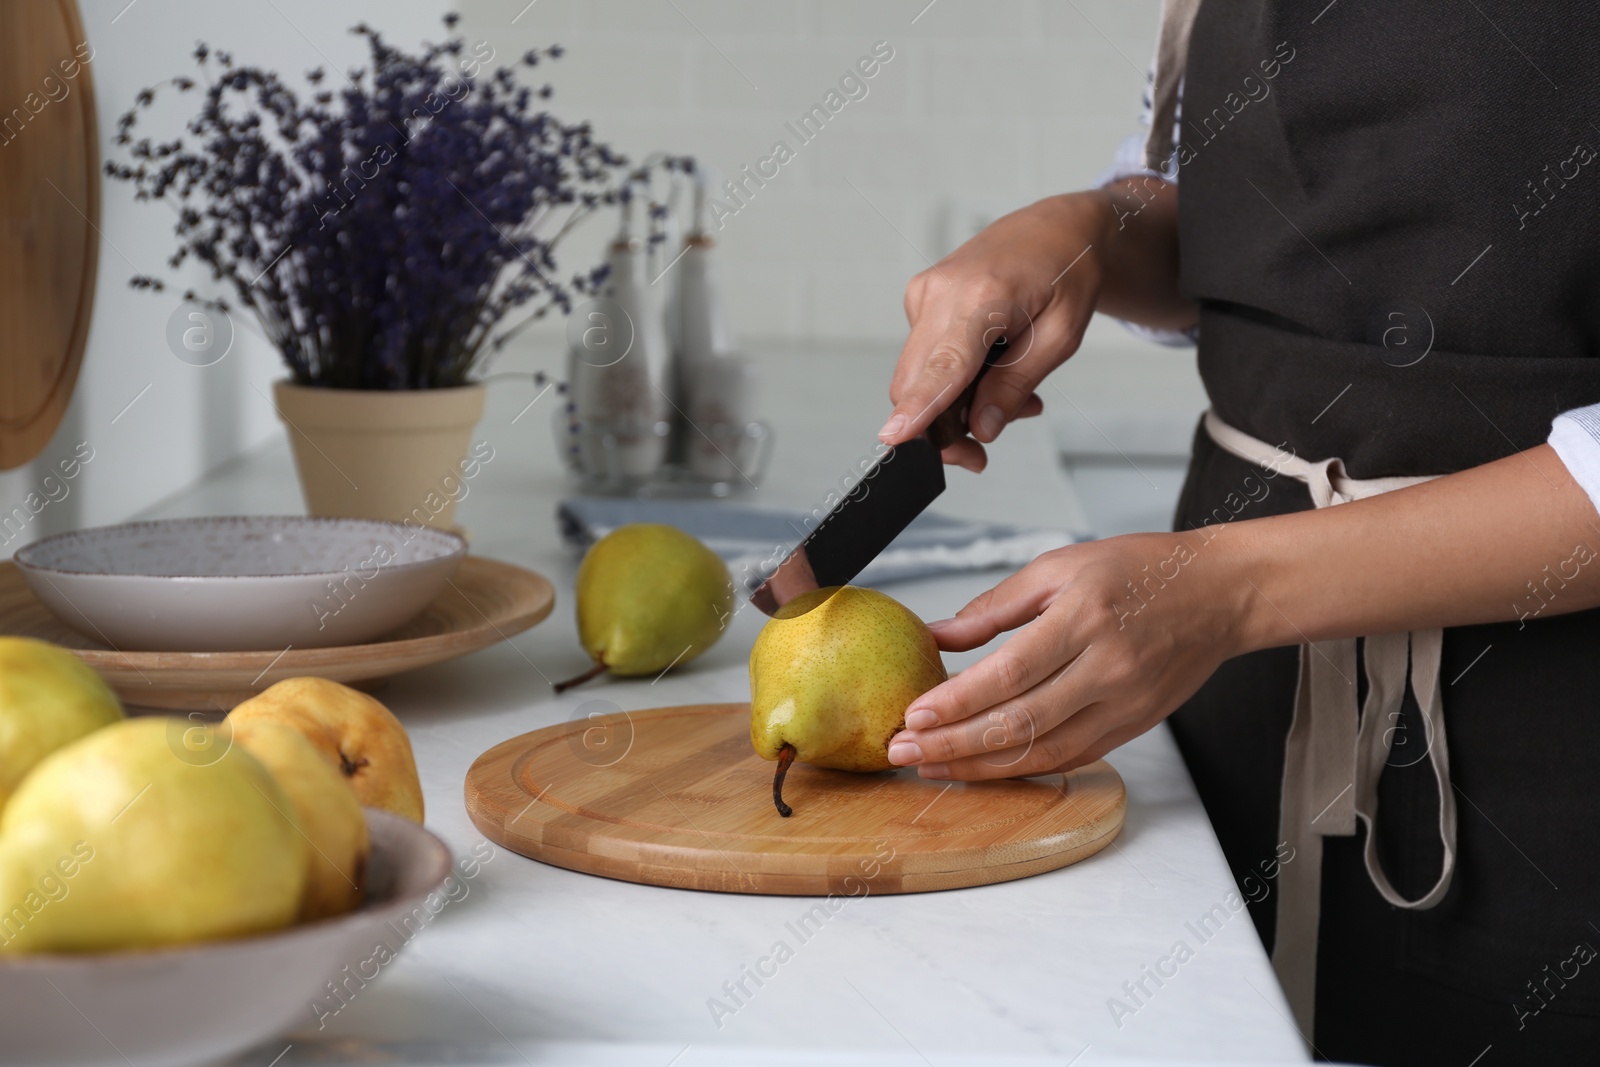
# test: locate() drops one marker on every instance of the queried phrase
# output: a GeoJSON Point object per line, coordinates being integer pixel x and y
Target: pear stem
{"type": "Point", "coordinates": [562, 687]}
{"type": "Point", "coordinates": [785, 757]}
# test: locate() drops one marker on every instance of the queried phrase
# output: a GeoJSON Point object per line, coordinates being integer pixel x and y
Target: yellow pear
{"type": "Point", "coordinates": [831, 677]}
{"type": "Point", "coordinates": [48, 698]}
{"type": "Point", "coordinates": [362, 737]}
{"type": "Point", "coordinates": [327, 810]}
{"type": "Point", "coordinates": [649, 597]}
{"type": "Point", "coordinates": [151, 831]}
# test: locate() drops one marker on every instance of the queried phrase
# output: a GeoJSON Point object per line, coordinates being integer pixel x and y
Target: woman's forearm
{"type": "Point", "coordinates": [1139, 250]}
{"type": "Point", "coordinates": [1513, 539]}
{"type": "Point", "coordinates": [1110, 637]}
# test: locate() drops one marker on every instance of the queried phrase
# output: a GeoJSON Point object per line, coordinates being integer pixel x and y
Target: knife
{"type": "Point", "coordinates": [897, 489]}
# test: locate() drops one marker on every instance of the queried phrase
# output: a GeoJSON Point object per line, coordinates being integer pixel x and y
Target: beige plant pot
{"type": "Point", "coordinates": [376, 454]}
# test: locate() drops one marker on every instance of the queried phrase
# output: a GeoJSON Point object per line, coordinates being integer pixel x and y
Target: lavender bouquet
{"type": "Point", "coordinates": [383, 231]}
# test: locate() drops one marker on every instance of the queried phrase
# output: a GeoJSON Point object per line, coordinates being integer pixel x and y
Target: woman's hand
{"type": "Point", "coordinates": [1035, 277]}
{"type": "Point", "coordinates": [1012, 280]}
{"type": "Point", "coordinates": [1112, 636]}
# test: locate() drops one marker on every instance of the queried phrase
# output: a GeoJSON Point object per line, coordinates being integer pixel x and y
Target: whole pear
{"type": "Point", "coordinates": [48, 698]}
{"type": "Point", "coordinates": [831, 677]}
{"type": "Point", "coordinates": [649, 597]}
{"type": "Point", "coordinates": [361, 736]}
{"type": "Point", "coordinates": [327, 810]}
{"type": "Point", "coordinates": [148, 832]}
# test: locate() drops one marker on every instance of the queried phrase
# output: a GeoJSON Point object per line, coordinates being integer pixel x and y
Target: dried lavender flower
{"type": "Point", "coordinates": [383, 231]}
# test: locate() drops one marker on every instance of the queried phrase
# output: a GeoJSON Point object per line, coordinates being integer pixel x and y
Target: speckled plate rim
{"type": "Point", "coordinates": [425, 650]}
{"type": "Point", "coordinates": [446, 545]}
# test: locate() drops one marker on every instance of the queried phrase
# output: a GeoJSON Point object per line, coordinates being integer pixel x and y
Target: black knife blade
{"type": "Point", "coordinates": [897, 489]}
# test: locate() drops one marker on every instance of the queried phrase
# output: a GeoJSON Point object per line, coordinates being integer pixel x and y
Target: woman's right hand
{"type": "Point", "coordinates": [1033, 277]}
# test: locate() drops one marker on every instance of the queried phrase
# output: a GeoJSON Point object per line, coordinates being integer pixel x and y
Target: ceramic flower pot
{"type": "Point", "coordinates": [380, 454]}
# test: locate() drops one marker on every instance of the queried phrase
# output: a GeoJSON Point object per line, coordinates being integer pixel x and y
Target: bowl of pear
{"type": "Point", "coordinates": [174, 892]}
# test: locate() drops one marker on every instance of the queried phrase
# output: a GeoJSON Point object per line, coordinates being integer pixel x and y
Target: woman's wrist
{"type": "Point", "coordinates": [1080, 222]}
{"type": "Point", "coordinates": [1137, 227]}
{"type": "Point", "coordinates": [1246, 587]}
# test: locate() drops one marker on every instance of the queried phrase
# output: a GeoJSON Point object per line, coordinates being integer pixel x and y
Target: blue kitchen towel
{"type": "Point", "coordinates": [752, 540]}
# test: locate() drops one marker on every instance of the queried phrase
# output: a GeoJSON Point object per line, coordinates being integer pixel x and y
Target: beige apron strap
{"type": "Point", "coordinates": [1326, 479]}
{"type": "Point", "coordinates": [1375, 744]}
{"type": "Point", "coordinates": [1172, 52]}
{"type": "Point", "coordinates": [1319, 765]}
{"type": "Point", "coordinates": [1331, 764]}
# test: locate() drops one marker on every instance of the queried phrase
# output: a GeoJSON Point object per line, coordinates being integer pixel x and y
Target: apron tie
{"type": "Point", "coordinates": [1172, 52]}
{"type": "Point", "coordinates": [1335, 755]}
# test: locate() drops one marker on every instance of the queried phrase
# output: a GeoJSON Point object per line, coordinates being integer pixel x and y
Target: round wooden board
{"type": "Point", "coordinates": [486, 602]}
{"type": "Point", "coordinates": [677, 797]}
{"type": "Point", "coordinates": [49, 218]}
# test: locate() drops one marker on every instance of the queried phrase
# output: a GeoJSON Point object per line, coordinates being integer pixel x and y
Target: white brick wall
{"type": "Point", "coordinates": [993, 103]}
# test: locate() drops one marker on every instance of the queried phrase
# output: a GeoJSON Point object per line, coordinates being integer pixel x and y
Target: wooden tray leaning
{"type": "Point", "coordinates": [486, 602]}
{"type": "Point", "coordinates": [50, 216]}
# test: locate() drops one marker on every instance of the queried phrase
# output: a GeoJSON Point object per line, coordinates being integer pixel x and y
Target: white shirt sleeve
{"type": "Point", "coordinates": [1129, 162]}
{"type": "Point", "coordinates": [1575, 435]}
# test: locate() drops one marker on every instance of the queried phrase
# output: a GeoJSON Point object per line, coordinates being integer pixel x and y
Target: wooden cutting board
{"type": "Point", "coordinates": [677, 797]}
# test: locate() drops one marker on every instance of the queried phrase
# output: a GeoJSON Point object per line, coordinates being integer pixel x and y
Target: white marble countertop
{"type": "Point", "coordinates": [540, 965]}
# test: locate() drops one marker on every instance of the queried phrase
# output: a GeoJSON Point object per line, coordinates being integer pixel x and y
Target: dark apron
{"type": "Point", "coordinates": [1391, 219]}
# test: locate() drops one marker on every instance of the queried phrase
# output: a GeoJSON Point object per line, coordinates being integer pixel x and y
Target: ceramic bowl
{"type": "Point", "coordinates": [245, 584]}
{"type": "Point", "coordinates": [197, 1003]}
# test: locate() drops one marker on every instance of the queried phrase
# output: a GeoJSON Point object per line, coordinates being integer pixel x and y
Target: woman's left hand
{"type": "Point", "coordinates": [1112, 636]}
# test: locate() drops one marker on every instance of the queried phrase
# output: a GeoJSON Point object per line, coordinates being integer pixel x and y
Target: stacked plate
{"type": "Point", "coordinates": [202, 613]}
{"type": "Point", "coordinates": [240, 584]}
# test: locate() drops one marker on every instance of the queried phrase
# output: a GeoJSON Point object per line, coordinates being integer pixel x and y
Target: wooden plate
{"type": "Point", "coordinates": [486, 602]}
{"type": "Point", "coordinates": [49, 218]}
{"type": "Point", "coordinates": [677, 797]}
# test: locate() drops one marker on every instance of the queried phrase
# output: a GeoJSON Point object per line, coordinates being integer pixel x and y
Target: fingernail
{"type": "Point", "coordinates": [904, 752]}
{"type": "Point", "coordinates": [895, 424]}
{"type": "Point", "coordinates": [921, 719]}
{"type": "Point", "coordinates": [939, 624]}
{"type": "Point", "coordinates": [934, 770]}
{"type": "Point", "coordinates": [990, 420]}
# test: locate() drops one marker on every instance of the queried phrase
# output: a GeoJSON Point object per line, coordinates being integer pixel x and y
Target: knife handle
{"type": "Point", "coordinates": [951, 424]}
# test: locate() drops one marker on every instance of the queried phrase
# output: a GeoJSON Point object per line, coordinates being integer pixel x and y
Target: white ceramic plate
{"type": "Point", "coordinates": [197, 1003]}
{"type": "Point", "coordinates": [245, 584]}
